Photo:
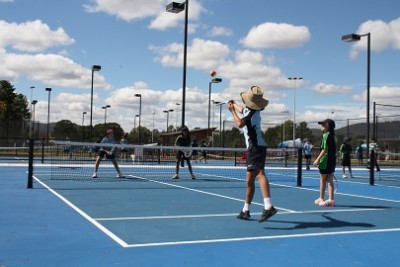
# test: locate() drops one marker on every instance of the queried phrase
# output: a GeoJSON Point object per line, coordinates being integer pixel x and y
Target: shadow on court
{"type": "Point", "coordinates": [329, 223]}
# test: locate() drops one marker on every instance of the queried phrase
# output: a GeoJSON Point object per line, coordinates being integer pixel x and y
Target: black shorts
{"type": "Point", "coordinates": [180, 155]}
{"type": "Point", "coordinates": [102, 153]}
{"type": "Point", "coordinates": [327, 171]}
{"type": "Point", "coordinates": [346, 161]}
{"type": "Point", "coordinates": [307, 156]}
{"type": "Point", "coordinates": [255, 159]}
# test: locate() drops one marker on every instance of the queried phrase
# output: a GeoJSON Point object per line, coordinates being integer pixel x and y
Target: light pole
{"type": "Point", "coordinates": [152, 132]}
{"type": "Point", "coordinates": [175, 7]}
{"type": "Point", "coordinates": [294, 106]}
{"type": "Point", "coordinates": [30, 101]}
{"type": "Point", "coordinates": [168, 111]}
{"type": "Point", "coordinates": [140, 112]}
{"type": "Point", "coordinates": [94, 68]}
{"type": "Point", "coordinates": [220, 122]}
{"type": "Point", "coordinates": [105, 112]}
{"type": "Point", "coordinates": [134, 123]}
{"type": "Point", "coordinates": [33, 103]}
{"type": "Point", "coordinates": [357, 37]}
{"type": "Point", "coordinates": [215, 80]}
{"type": "Point", "coordinates": [48, 114]}
{"type": "Point", "coordinates": [83, 125]}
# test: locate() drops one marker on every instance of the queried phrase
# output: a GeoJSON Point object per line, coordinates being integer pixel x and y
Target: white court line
{"type": "Point", "coordinates": [228, 214]}
{"type": "Point", "coordinates": [125, 245]}
{"type": "Point", "coordinates": [84, 215]}
{"type": "Point", "coordinates": [339, 193]}
{"type": "Point", "coordinates": [203, 192]}
{"type": "Point", "coordinates": [266, 237]}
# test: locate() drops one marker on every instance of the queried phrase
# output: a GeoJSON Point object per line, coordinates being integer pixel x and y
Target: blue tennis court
{"type": "Point", "coordinates": [145, 221]}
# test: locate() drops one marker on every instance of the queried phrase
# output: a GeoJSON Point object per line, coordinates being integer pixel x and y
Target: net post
{"type": "Point", "coordinates": [299, 165]}
{"type": "Point", "coordinates": [371, 167]}
{"type": "Point", "coordinates": [30, 165]}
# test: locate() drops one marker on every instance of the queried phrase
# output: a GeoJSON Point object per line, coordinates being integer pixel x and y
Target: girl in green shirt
{"type": "Point", "coordinates": [326, 162]}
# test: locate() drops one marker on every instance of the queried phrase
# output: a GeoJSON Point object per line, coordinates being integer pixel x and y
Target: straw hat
{"type": "Point", "coordinates": [254, 99]}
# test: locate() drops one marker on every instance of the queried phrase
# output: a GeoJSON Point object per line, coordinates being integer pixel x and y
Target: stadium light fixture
{"type": "Point", "coordinates": [294, 106]}
{"type": "Point", "coordinates": [175, 7]}
{"type": "Point", "coordinates": [48, 114]}
{"type": "Point", "coordinates": [34, 102]}
{"type": "Point", "coordinates": [140, 112]}
{"type": "Point", "coordinates": [94, 68]}
{"type": "Point", "coordinates": [354, 38]}
{"type": "Point", "coordinates": [105, 112]}
{"type": "Point", "coordinates": [168, 111]}
{"type": "Point", "coordinates": [214, 80]}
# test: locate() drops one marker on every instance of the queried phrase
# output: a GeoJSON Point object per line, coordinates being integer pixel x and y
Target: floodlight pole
{"type": "Point", "coordinates": [48, 114]}
{"type": "Point", "coordinates": [215, 80]}
{"type": "Point", "coordinates": [30, 121]}
{"type": "Point", "coordinates": [357, 37]}
{"type": "Point", "coordinates": [140, 113]}
{"type": "Point", "coordinates": [177, 8]}
{"type": "Point", "coordinates": [294, 106]}
{"type": "Point", "coordinates": [94, 68]}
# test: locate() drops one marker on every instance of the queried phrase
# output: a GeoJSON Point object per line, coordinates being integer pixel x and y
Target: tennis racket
{"type": "Point", "coordinates": [187, 152]}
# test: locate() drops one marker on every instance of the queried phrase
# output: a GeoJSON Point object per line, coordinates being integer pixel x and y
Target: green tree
{"type": "Point", "coordinates": [99, 131]}
{"type": "Point", "coordinates": [13, 111]}
{"type": "Point", "coordinates": [67, 130]}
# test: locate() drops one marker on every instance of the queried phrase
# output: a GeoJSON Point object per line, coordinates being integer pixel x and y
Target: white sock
{"type": "Point", "coordinates": [246, 207]}
{"type": "Point", "coordinates": [267, 203]}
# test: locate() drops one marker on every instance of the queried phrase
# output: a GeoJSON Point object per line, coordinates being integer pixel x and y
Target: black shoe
{"type": "Point", "coordinates": [244, 215]}
{"type": "Point", "coordinates": [267, 214]}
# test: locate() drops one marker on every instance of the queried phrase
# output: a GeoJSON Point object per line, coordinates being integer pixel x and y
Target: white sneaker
{"type": "Point", "coordinates": [175, 176]}
{"type": "Point", "coordinates": [328, 203]}
{"type": "Point", "coordinates": [344, 176]}
{"type": "Point", "coordinates": [318, 201]}
{"type": "Point", "coordinates": [119, 175]}
{"type": "Point", "coordinates": [94, 175]}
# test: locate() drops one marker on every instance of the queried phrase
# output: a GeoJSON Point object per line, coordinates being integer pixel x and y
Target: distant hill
{"type": "Point", "coordinates": [386, 131]}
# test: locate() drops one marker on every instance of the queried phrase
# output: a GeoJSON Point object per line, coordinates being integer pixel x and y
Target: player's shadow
{"type": "Point", "coordinates": [329, 223]}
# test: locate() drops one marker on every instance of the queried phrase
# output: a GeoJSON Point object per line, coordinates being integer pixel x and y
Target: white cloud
{"type": "Point", "coordinates": [126, 10]}
{"type": "Point", "coordinates": [383, 36]}
{"type": "Point", "coordinates": [276, 35]}
{"type": "Point", "coordinates": [50, 69]}
{"type": "Point", "coordinates": [202, 54]}
{"type": "Point", "coordinates": [32, 36]}
{"type": "Point", "coordinates": [220, 31]}
{"type": "Point", "coordinates": [323, 88]}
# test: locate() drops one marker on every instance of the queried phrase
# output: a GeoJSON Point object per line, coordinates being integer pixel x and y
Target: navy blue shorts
{"type": "Point", "coordinates": [255, 159]}
{"type": "Point", "coordinates": [102, 153]}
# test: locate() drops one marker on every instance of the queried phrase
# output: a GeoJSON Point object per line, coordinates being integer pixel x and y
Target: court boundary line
{"type": "Point", "coordinates": [203, 192]}
{"type": "Point", "coordinates": [339, 193]}
{"type": "Point", "coordinates": [84, 215]}
{"type": "Point", "coordinates": [256, 238]}
{"type": "Point", "coordinates": [122, 243]}
{"type": "Point", "coordinates": [230, 214]}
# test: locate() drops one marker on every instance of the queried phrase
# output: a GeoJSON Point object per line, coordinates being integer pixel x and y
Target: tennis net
{"type": "Point", "coordinates": [76, 161]}
{"type": "Point", "coordinates": [388, 166]}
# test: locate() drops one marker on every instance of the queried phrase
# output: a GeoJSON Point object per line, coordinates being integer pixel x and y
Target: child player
{"type": "Point", "coordinates": [326, 162]}
{"type": "Point", "coordinates": [250, 123]}
{"type": "Point", "coordinates": [183, 140]}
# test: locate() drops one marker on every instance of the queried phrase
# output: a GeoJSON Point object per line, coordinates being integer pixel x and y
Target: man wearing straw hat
{"type": "Point", "coordinates": [250, 123]}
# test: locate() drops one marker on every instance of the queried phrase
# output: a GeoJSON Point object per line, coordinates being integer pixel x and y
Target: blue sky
{"type": "Point", "coordinates": [51, 43]}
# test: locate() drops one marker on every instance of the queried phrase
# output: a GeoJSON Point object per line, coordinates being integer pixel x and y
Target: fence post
{"type": "Point", "coordinates": [30, 165]}
{"type": "Point", "coordinates": [299, 165]}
